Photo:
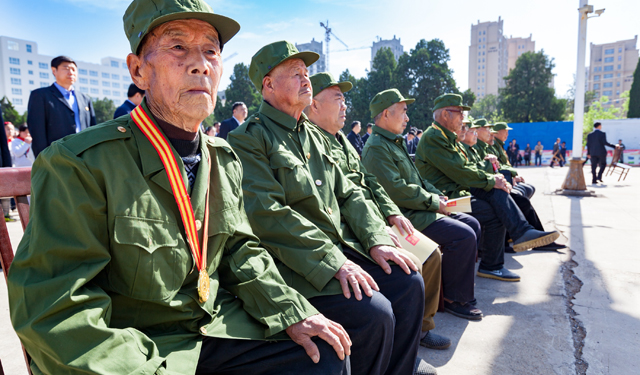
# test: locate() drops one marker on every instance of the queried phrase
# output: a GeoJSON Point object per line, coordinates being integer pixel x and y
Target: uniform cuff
{"type": "Point", "coordinates": [326, 269]}
{"type": "Point", "coordinates": [435, 203]}
{"type": "Point", "coordinates": [377, 239]}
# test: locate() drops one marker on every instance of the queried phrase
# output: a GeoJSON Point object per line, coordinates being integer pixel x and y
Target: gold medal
{"type": "Point", "coordinates": [203, 286]}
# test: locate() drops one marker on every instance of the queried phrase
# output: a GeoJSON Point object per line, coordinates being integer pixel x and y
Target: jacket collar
{"type": "Point", "coordinates": [281, 118]}
{"type": "Point", "coordinates": [387, 134]}
{"type": "Point", "coordinates": [56, 92]}
{"type": "Point", "coordinates": [451, 136]}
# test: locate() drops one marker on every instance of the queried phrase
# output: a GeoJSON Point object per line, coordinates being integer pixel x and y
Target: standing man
{"type": "Point", "coordinates": [170, 279]}
{"type": "Point", "coordinates": [134, 98]}
{"type": "Point", "coordinates": [409, 141]}
{"type": "Point", "coordinates": [5, 162]}
{"type": "Point", "coordinates": [596, 140]}
{"type": "Point", "coordinates": [354, 137]}
{"type": "Point", "coordinates": [555, 153]}
{"type": "Point", "coordinates": [563, 153]}
{"type": "Point", "coordinates": [538, 154]}
{"type": "Point", "coordinates": [58, 110]}
{"type": "Point", "coordinates": [622, 148]}
{"type": "Point", "coordinates": [387, 157]}
{"type": "Point", "coordinates": [239, 110]}
{"type": "Point", "coordinates": [296, 198]}
{"type": "Point", "coordinates": [327, 112]}
{"type": "Point", "coordinates": [366, 135]}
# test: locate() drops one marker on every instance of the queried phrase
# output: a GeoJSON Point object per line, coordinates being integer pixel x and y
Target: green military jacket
{"type": "Point", "coordinates": [498, 150]}
{"type": "Point", "coordinates": [385, 155]}
{"type": "Point", "coordinates": [349, 161]}
{"type": "Point", "coordinates": [483, 149]}
{"type": "Point", "coordinates": [297, 197]}
{"type": "Point", "coordinates": [103, 280]}
{"type": "Point", "coordinates": [440, 160]}
{"type": "Point", "coordinates": [474, 156]}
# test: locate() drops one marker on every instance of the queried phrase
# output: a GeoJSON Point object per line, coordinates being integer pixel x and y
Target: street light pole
{"type": "Point", "coordinates": [574, 183]}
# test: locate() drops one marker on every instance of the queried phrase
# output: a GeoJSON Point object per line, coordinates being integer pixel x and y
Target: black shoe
{"type": "Point", "coordinates": [423, 368]}
{"type": "Point", "coordinates": [601, 180]}
{"type": "Point", "coordinates": [534, 238]}
{"type": "Point", "coordinates": [594, 182]}
{"type": "Point", "coordinates": [461, 310]}
{"type": "Point", "coordinates": [550, 247]}
{"type": "Point", "coordinates": [473, 302]}
{"type": "Point", "coordinates": [509, 250]}
{"type": "Point", "coordinates": [502, 274]}
{"type": "Point", "coordinates": [435, 341]}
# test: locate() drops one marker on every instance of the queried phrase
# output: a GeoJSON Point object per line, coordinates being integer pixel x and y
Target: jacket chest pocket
{"type": "Point", "coordinates": [150, 260]}
{"type": "Point", "coordinates": [293, 176]}
{"type": "Point", "coordinates": [406, 170]}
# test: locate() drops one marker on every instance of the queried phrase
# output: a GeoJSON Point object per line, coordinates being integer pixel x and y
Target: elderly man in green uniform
{"type": "Point", "coordinates": [297, 197]}
{"type": "Point", "coordinates": [500, 131]}
{"type": "Point", "coordinates": [441, 162]}
{"type": "Point", "coordinates": [139, 257]}
{"type": "Point", "coordinates": [387, 157]}
{"type": "Point", "coordinates": [327, 111]}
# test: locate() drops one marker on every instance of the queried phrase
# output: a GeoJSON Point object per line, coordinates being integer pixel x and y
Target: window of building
{"type": "Point", "coordinates": [478, 53]}
{"type": "Point", "coordinates": [44, 84]}
{"type": "Point", "coordinates": [83, 80]}
{"type": "Point", "coordinates": [608, 59]}
{"type": "Point", "coordinates": [82, 72]}
{"type": "Point", "coordinates": [482, 53]}
{"type": "Point", "coordinates": [31, 82]}
{"type": "Point", "coordinates": [596, 86]}
{"type": "Point", "coordinates": [15, 71]}
{"type": "Point", "coordinates": [618, 92]}
{"type": "Point", "coordinates": [484, 39]}
{"type": "Point", "coordinates": [95, 91]}
{"type": "Point", "coordinates": [16, 81]}
{"type": "Point", "coordinates": [30, 72]}
{"type": "Point", "coordinates": [596, 78]}
{"type": "Point", "coordinates": [13, 46]}
{"type": "Point", "coordinates": [478, 60]}
{"type": "Point", "coordinates": [115, 76]}
{"type": "Point", "coordinates": [84, 89]}
{"type": "Point", "coordinates": [484, 32]}
{"type": "Point", "coordinates": [620, 50]}
{"type": "Point", "coordinates": [116, 93]}
{"type": "Point", "coordinates": [597, 94]}
{"type": "Point", "coordinates": [618, 84]}
{"type": "Point", "coordinates": [609, 51]}
{"type": "Point", "coordinates": [607, 76]}
{"type": "Point", "coordinates": [105, 75]}
{"type": "Point", "coordinates": [126, 79]}
{"type": "Point", "coordinates": [43, 65]}
{"type": "Point", "coordinates": [619, 66]}
{"type": "Point", "coordinates": [607, 84]}
{"type": "Point", "coordinates": [124, 66]}
{"type": "Point", "coordinates": [16, 91]}
{"type": "Point", "coordinates": [116, 85]}
{"type": "Point", "coordinates": [93, 73]}
{"type": "Point", "coordinates": [608, 68]}
{"type": "Point", "coordinates": [29, 48]}
{"type": "Point", "coordinates": [106, 92]}
{"type": "Point", "coordinates": [619, 58]}
{"type": "Point", "coordinates": [478, 80]}
{"type": "Point", "coordinates": [106, 84]}
{"type": "Point", "coordinates": [44, 75]}
{"type": "Point", "coordinates": [618, 75]}
{"type": "Point", "coordinates": [94, 82]}
{"type": "Point", "coordinates": [478, 74]}
{"type": "Point", "coordinates": [607, 93]}
{"type": "Point", "coordinates": [29, 62]}
{"type": "Point", "coordinates": [114, 64]}
{"type": "Point", "coordinates": [483, 80]}
{"type": "Point", "coordinates": [17, 101]}
{"type": "Point", "coordinates": [479, 40]}
{"type": "Point", "coordinates": [14, 60]}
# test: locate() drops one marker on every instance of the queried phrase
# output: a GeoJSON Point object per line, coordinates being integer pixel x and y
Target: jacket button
{"type": "Point", "coordinates": [308, 155]}
{"type": "Point", "coordinates": [329, 210]}
{"type": "Point", "coordinates": [121, 129]}
{"type": "Point", "coordinates": [203, 331]}
{"type": "Point", "coordinates": [198, 224]}
{"type": "Point", "coordinates": [318, 182]}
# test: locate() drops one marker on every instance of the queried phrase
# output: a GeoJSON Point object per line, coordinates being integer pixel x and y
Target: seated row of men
{"type": "Point", "coordinates": [154, 249]}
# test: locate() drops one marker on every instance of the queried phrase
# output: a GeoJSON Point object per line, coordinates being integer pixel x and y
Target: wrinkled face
{"type": "Point", "coordinates": [502, 135]}
{"type": "Point", "coordinates": [66, 74]}
{"type": "Point", "coordinates": [471, 138]}
{"type": "Point", "coordinates": [462, 133]}
{"type": "Point", "coordinates": [179, 67]}
{"type": "Point", "coordinates": [330, 109]}
{"type": "Point", "coordinates": [453, 118]}
{"type": "Point", "coordinates": [484, 134]}
{"type": "Point", "coordinates": [397, 117]}
{"type": "Point", "coordinates": [289, 84]}
{"type": "Point", "coordinates": [241, 112]}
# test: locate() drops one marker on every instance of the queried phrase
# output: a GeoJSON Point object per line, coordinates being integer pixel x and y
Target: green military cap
{"type": "Point", "coordinates": [272, 55]}
{"type": "Point", "coordinates": [449, 100]}
{"type": "Point", "coordinates": [385, 99]}
{"type": "Point", "coordinates": [482, 123]}
{"type": "Point", "coordinates": [467, 119]}
{"type": "Point", "coordinates": [142, 16]}
{"type": "Point", "coordinates": [472, 123]}
{"type": "Point", "coordinates": [500, 126]}
{"type": "Point", "coordinates": [321, 81]}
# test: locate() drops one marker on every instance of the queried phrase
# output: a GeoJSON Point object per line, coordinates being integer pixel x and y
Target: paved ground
{"type": "Point", "coordinates": [533, 327]}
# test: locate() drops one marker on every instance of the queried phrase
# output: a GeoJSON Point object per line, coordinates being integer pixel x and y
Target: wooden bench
{"type": "Point", "coordinates": [619, 168]}
{"type": "Point", "coordinates": [16, 183]}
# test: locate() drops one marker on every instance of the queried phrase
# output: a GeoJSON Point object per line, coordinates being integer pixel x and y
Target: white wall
{"type": "Point", "coordinates": [627, 129]}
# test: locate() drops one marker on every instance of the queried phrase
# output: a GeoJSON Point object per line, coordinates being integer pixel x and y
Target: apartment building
{"type": "Point", "coordinates": [611, 67]}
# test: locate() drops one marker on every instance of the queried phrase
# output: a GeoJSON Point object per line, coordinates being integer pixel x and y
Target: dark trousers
{"type": "Point", "coordinates": [458, 237]}
{"type": "Point", "coordinates": [497, 212]}
{"type": "Point", "coordinates": [538, 160]}
{"type": "Point", "coordinates": [527, 160]}
{"type": "Point", "coordinates": [526, 189]}
{"type": "Point", "coordinates": [244, 357]}
{"type": "Point", "coordinates": [384, 329]}
{"type": "Point", "coordinates": [595, 162]}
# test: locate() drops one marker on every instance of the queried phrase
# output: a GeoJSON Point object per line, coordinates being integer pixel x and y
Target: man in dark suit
{"type": "Point", "coordinates": [240, 113]}
{"type": "Point", "coordinates": [354, 137]}
{"type": "Point", "coordinates": [134, 98]}
{"type": "Point", "coordinates": [5, 155]}
{"type": "Point", "coordinates": [596, 140]}
{"type": "Point", "coordinates": [366, 135]}
{"type": "Point", "coordinates": [58, 110]}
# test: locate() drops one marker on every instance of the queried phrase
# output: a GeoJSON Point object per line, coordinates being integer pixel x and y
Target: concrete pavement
{"type": "Point", "coordinates": [534, 326]}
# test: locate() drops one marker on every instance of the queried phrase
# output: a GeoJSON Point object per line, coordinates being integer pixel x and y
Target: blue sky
{"type": "Point", "coordinates": [88, 30]}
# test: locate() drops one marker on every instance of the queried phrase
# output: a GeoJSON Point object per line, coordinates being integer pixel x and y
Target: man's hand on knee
{"type": "Point", "coordinates": [382, 253]}
{"type": "Point", "coordinates": [351, 274]}
{"type": "Point", "coordinates": [317, 325]}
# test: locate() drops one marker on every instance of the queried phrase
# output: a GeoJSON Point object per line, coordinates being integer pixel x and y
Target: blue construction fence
{"type": "Point", "coordinates": [545, 132]}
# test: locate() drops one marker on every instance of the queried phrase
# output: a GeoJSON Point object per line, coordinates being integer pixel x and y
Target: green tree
{"type": "Point", "coordinates": [589, 97]}
{"type": "Point", "coordinates": [600, 110]}
{"type": "Point", "coordinates": [527, 96]}
{"type": "Point", "coordinates": [488, 108]}
{"type": "Point", "coordinates": [104, 109]}
{"type": "Point", "coordinates": [468, 98]}
{"type": "Point", "coordinates": [240, 89]}
{"type": "Point", "coordinates": [634, 95]}
{"type": "Point", "coordinates": [356, 100]}
{"type": "Point", "coordinates": [424, 74]}
{"type": "Point", "coordinates": [10, 114]}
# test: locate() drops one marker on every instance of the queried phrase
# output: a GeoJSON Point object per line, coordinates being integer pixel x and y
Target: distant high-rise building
{"type": "Point", "coordinates": [394, 44]}
{"type": "Point", "coordinates": [313, 46]}
{"type": "Point", "coordinates": [23, 70]}
{"type": "Point", "coordinates": [611, 69]}
{"type": "Point", "coordinates": [492, 56]}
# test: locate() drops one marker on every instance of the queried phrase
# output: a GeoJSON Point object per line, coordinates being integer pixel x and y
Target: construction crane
{"type": "Point", "coordinates": [230, 56]}
{"type": "Point", "coordinates": [327, 39]}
